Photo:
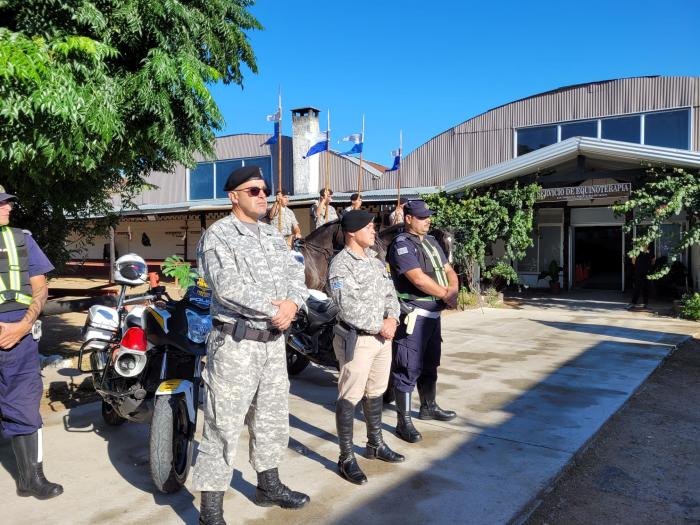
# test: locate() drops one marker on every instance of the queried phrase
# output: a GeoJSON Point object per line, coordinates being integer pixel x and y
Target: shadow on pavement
{"type": "Point", "coordinates": [493, 474]}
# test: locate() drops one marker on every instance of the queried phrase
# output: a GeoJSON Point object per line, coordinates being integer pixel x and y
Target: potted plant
{"type": "Point", "coordinates": [553, 273]}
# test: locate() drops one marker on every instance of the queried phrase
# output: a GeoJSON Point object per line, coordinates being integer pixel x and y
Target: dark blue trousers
{"type": "Point", "coordinates": [20, 388]}
{"type": "Point", "coordinates": [416, 357]}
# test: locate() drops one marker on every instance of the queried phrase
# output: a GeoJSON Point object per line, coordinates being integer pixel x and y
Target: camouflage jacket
{"type": "Point", "coordinates": [246, 272]}
{"type": "Point", "coordinates": [320, 221]}
{"type": "Point", "coordinates": [363, 290]}
{"type": "Point", "coordinates": [289, 220]}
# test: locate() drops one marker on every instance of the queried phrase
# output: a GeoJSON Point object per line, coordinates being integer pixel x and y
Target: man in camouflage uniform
{"type": "Point", "coordinates": [367, 320]}
{"type": "Point", "coordinates": [290, 225]}
{"type": "Point", "coordinates": [318, 209]}
{"type": "Point", "coordinates": [257, 288]}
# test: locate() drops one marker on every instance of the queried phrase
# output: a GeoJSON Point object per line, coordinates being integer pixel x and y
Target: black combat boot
{"type": "Point", "coordinates": [211, 510]}
{"type": "Point", "coordinates": [404, 426]}
{"type": "Point", "coordinates": [271, 491]}
{"type": "Point", "coordinates": [429, 409]}
{"type": "Point", "coordinates": [347, 464]}
{"type": "Point", "coordinates": [376, 448]}
{"type": "Point", "coordinates": [31, 481]}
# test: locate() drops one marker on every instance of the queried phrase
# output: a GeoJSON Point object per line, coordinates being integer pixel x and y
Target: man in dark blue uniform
{"type": "Point", "coordinates": [23, 293]}
{"type": "Point", "coordinates": [425, 284]}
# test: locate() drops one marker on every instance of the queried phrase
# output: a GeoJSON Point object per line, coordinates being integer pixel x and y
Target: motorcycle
{"type": "Point", "coordinates": [310, 337]}
{"type": "Point", "coordinates": [146, 365]}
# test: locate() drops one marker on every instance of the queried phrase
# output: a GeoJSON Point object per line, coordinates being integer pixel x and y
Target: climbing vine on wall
{"type": "Point", "coordinates": [481, 216]}
{"type": "Point", "coordinates": [663, 194]}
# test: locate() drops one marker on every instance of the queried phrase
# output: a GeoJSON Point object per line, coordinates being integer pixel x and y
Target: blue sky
{"type": "Point", "coordinates": [425, 66]}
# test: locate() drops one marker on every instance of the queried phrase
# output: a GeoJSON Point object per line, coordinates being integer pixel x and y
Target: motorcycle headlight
{"type": "Point", "coordinates": [198, 326]}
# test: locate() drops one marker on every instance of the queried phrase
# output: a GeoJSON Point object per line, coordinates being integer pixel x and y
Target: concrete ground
{"type": "Point", "coordinates": [531, 385]}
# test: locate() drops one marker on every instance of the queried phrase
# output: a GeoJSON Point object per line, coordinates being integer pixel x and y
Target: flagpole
{"type": "Point", "coordinates": [279, 158]}
{"type": "Point", "coordinates": [328, 161]}
{"type": "Point", "coordinates": [359, 173]}
{"type": "Point", "coordinates": [398, 174]}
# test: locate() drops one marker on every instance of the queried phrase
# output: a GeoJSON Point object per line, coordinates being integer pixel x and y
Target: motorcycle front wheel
{"type": "Point", "coordinates": [170, 448]}
{"type": "Point", "coordinates": [296, 362]}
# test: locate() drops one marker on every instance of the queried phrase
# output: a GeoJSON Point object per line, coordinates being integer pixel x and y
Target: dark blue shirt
{"type": "Point", "coordinates": [404, 256]}
{"type": "Point", "coordinates": [39, 264]}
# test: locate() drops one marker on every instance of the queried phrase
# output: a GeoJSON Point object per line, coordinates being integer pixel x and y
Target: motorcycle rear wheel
{"type": "Point", "coordinates": [110, 416]}
{"type": "Point", "coordinates": [296, 362]}
{"type": "Point", "coordinates": [170, 448]}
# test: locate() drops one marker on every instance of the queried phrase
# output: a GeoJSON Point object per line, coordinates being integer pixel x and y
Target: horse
{"type": "Point", "coordinates": [319, 247]}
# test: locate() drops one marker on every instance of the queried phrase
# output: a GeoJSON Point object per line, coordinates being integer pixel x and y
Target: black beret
{"type": "Point", "coordinates": [355, 220]}
{"type": "Point", "coordinates": [241, 175]}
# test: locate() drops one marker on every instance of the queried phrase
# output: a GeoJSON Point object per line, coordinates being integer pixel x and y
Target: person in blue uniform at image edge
{"type": "Point", "coordinates": [23, 294]}
{"type": "Point", "coordinates": [425, 284]}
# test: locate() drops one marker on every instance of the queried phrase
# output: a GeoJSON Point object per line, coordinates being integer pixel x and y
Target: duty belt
{"type": "Point", "coordinates": [359, 332]}
{"type": "Point", "coordinates": [426, 313]}
{"type": "Point", "coordinates": [239, 331]}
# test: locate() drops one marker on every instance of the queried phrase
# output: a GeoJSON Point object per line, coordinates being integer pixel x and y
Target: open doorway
{"type": "Point", "coordinates": [598, 257]}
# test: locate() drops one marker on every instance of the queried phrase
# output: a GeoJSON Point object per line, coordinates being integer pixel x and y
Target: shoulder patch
{"type": "Point", "coordinates": [337, 284]}
{"type": "Point", "coordinates": [403, 250]}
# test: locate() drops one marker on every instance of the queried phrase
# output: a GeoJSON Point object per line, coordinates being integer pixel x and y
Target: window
{"type": "Point", "coordinates": [207, 179]}
{"type": "Point", "coordinates": [265, 165]}
{"type": "Point", "coordinates": [550, 246]}
{"type": "Point", "coordinates": [531, 139]}
{"type": "Point", "coordinates": [669, 129]}
{"type": "Point", "coordinates": [529, 262]}
{"type": "Point", "coordinates": [626, 129]}
{"type": "Point", "coordinates": [670, 235]}
{"type": "Point", "coordinates": [579, 129]}
{"type": "Point", "coordinates": [202, 181]}
{"type": "Point", "coordinates": [223, 170]}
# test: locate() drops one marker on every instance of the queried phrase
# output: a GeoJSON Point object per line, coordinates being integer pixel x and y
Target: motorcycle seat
{"type": "Point", "coordinates": [320, 312]}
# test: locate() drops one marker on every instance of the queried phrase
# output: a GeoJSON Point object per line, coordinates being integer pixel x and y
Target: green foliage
{"type": "Point", "coordinates": [95, 95]}
{"type": "Point", "coordinates": [492, 298]}
{"type": "Point", "coordinates": [480, 216]}
{"type": "Point", "coordinates": [664, 192]}
{"type": "Point", "coordinates": [466, 299]}
{"type": "Point", "coordinates": [180, 270]}
{"type": "Point", "coordinates": [690, 307]}
{"type": "Point", "coordinates": [501, 274]}
{"type": "Point", "coordinates": [552, 271]}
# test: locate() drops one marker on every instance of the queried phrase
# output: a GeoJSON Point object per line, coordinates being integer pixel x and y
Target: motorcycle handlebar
{"type": "Point", "coordinates": [139, 298]}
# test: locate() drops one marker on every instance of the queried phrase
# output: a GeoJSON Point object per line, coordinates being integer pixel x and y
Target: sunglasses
{"type": "Point", "coordinates": [255, 191]}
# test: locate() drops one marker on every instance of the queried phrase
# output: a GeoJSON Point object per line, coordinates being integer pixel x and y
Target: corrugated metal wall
{"type": "Point", "coordinates": [344, 174]}
{"type": "Point", "coordinates": [487, 139]}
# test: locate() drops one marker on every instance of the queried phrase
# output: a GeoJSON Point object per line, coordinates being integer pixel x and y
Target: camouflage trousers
{"type": "Point", "coordinates": [245, 383]}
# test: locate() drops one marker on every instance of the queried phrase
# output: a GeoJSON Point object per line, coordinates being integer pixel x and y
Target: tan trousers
{"type": "Point", "coordinates": [367, 374]}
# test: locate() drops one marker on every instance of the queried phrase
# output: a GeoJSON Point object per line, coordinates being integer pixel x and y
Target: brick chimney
{"type": "Point", "coordinates": [304, 129]}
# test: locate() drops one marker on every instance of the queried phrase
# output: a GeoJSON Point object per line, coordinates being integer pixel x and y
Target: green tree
{"type": "Point", "coordinates": [96, 94]}
{"type": "Point", "coordinates": [664, 192]}
{"type": "Point", "coordinates": [481, 216]}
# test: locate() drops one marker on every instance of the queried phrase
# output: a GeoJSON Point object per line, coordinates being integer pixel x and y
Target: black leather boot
{"type": "Point", "coordinates": [347, 464]}
{"type": "Point", "coordinates": [31, 481]}
{"type": "Point", "coordinates": [376, 448]}
{"type": "Point", "coordinates": [429, 409]}
{"type": "Point", "coordinates": [404, 426]}
{"type": "Point", "coordinates": [211, 510]}
{"type": "Point", "coordinates": [271, 491]}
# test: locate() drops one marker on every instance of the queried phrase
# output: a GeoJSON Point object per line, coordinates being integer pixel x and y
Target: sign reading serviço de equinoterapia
{"type": "Point", "coordinates": [577, 193]}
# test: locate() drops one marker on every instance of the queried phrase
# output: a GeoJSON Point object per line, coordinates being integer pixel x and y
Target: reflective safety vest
{"type": "Point", "coordinates": [15, 288]}
{"type": "Point", "coordinates": [431, 264]}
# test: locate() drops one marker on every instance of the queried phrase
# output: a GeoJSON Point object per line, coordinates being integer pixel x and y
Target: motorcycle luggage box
{"type": "Point", "coordinates": [102, 323]}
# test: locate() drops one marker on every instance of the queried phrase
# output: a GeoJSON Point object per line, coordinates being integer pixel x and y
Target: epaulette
{"type": "Point", "coordinates": [27, 232]}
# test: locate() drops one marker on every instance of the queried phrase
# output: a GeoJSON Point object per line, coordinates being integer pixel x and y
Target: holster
{"type": "Point", "coordinates": [348, 335]}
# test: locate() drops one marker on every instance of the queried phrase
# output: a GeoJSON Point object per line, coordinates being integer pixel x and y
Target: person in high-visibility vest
{"type": "Point", "coordinates": [23, 294]}
{"type": "Point", "coordinates": [425, 284]}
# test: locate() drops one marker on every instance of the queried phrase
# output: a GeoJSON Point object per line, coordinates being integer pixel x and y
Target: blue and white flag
{"type": "Point", "coordinates": [397, 160]}
{"type": "Point", "coordinates": [357, 139]}
{"type": "Point", "coordinates": [276, 117]}
{"type": "Point", "coordinates": [320, 145]}
{"type": "Point", "coordinates": [275, 134]}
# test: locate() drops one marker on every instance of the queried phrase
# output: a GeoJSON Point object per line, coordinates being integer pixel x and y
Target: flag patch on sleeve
{"type": "Point", "coordinates": [337, 285]}
{"type": "Point", "coordinates": [402, 251]}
